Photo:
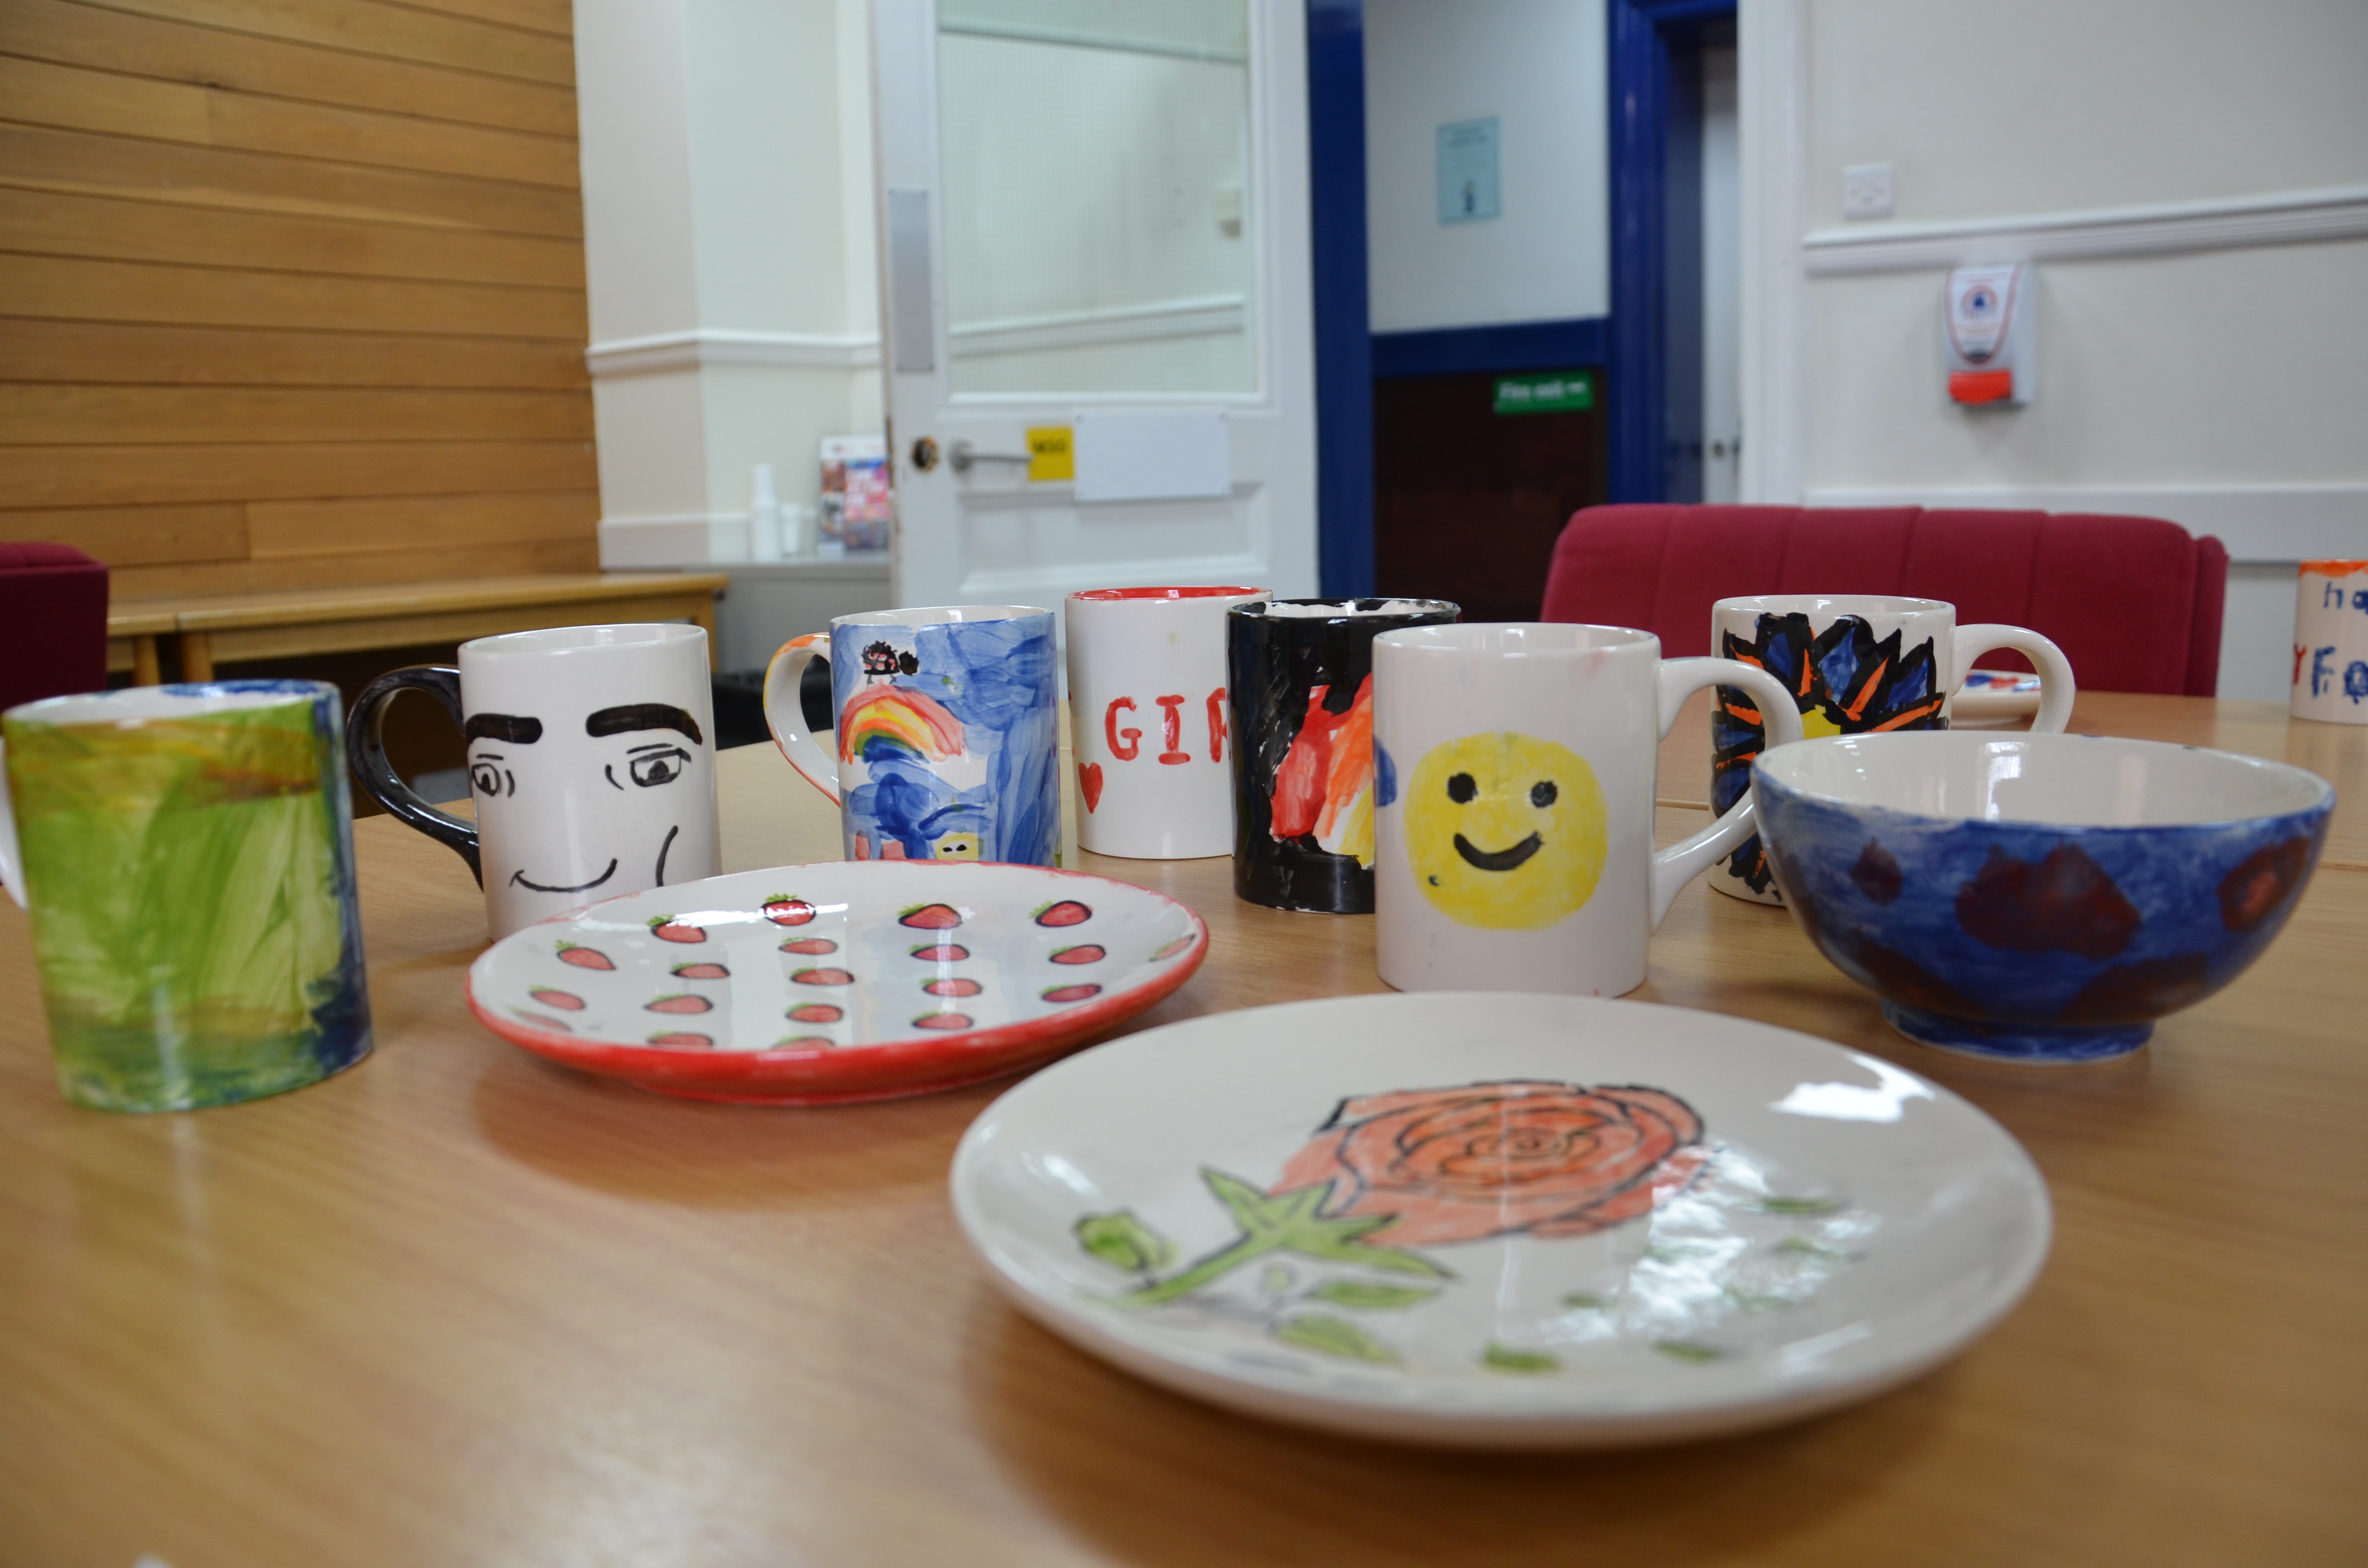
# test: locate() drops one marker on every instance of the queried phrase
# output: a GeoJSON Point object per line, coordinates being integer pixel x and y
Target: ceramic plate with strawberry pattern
{"type": "Point", "coordinates": [1502, 1220]}
{"type": "Point", "coordinates": [843, 981]}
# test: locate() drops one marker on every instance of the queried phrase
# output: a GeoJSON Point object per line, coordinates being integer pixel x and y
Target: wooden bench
{"type": "Point", "coordinates": [236, 628]}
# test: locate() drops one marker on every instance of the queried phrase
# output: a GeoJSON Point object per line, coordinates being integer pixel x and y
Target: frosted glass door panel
{"type": "Point", "coordinates": [1095, 159]}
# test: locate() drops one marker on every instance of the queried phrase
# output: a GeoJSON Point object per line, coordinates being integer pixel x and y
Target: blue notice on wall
{"type": "Point", "coordinates": [1467, 171]}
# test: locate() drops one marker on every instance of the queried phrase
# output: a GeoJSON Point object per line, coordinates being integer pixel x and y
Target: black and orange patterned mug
{"type": "Point", "coordinates": [1856, 663]}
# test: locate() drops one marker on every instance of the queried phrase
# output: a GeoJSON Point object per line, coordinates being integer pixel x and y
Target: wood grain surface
{"type": "Point", "coordinates": [462, 1307]}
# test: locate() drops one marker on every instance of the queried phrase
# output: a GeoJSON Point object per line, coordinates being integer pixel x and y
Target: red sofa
{"type": "Point", "coordinates": [2135, 602]}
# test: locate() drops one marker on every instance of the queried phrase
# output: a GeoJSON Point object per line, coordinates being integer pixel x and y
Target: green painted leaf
{"type": "Point", "coordinates": [1275, 1280]}
{"type": "Point", "coordinates": [1334, 1336]}
{"type": "Point", "coordinates": [1499, 1359]}
{"type": "Point", "coordinates": [1799, 1205]}
{"type": "Point", "coordinates": [1124, 1241]}
{"type": "Point", "coordinates": [1751, 1302]}
{"type": "Point", "coordinates": [1587, 1303]}
{"type": "Point", "coordinates": [1371, 1297]}
{"type": "Point", "coordinates": [1802, 1247]}
{"type": "Point", "coordinates": [1684, 1350]}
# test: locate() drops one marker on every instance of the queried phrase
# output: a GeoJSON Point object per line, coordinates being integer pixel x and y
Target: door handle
{"type": "Point", "coordinates": [963, 454]}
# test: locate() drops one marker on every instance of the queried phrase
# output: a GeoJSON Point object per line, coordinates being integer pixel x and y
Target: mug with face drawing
{"type": "Point", "coordinates": [591, 765]}
{"type": "Point", "coordinates": [1514, 767]}
{"type": "Point", "coordinates": [1855, 664]}
{"type": "Point", "coordinates": [946, 743]}
{"type": "Point", "coordinates": [1147, 721]}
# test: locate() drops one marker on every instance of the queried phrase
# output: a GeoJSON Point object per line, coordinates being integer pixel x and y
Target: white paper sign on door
{"type": "Point", "coordinates": [1163, 455]}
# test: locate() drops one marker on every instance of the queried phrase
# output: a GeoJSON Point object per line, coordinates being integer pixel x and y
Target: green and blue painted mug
{"type": "Point", "coordinates": [186, 856]}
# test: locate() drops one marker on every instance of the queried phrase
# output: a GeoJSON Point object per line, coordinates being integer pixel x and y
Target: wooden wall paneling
{"type": "Point", "coordinates": [278, 528]}
{"type": "Point", "coordinates": [291, 291]}
{"type": "Point", "coordinates": [73, 33]}
{"type": "Point", "coordinates": [137, 536]}
{"type": "Point", "coordinates": [114, 415]}
{"type": "Point", "coordinates": [202, 577]}
{"type": "Point", "coordinates": [73, 289]}
{"type": "Point", "coordinates": [191, 356]}
{"type": "Point", "coordinates": [121, 476]}
{"type": "Point", "coordinates": [391, 32]}
{"type": "Point", "coordinates": [46, 159]}
{"type": "Point", "coordinates": [44, 222]}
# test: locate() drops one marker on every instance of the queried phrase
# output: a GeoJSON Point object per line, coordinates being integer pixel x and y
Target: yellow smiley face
{"type": "Point", "coordinates": [1505, 831]}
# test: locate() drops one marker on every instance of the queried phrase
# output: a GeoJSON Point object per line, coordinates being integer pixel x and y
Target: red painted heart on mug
{"type": "Point", "coordinates": [1089, 784]}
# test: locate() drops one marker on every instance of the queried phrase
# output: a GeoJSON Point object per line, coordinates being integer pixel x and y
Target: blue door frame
{"type": "Point", "coordinates": [1630, 344]}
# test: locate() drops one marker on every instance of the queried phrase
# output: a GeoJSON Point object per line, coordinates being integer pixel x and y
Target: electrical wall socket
{"type": "Point", "coordinates": [1866, 190]}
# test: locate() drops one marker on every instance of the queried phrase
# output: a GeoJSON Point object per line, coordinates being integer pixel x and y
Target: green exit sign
{"type": "Point", "coordinates": [1551, 392]}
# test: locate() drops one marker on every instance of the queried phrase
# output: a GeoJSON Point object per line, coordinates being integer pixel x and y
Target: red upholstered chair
{"type": "Point", "coordinates": [52, 622]}
{"type": "Point", "coordinates": [2133, 602]}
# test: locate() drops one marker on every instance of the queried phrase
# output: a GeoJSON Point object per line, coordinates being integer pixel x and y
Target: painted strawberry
{"type": "Point", "coordinates": [666, 929]}
{"type": "Point", "coordinates": [822, 977]}
{"type": "Point", "coordinates": [679, 1004]}
{"type": "Point", "coordinates": [816, 1013]}
{"type": "Point", "coordinates": [584, 958]}
{"type": "Point", "coordinates": [541, 1022]}
{"type": "Point", "coordinates": [1072, 992]}
{"type": "Point", "coordinates": [812, 946]}
{"type": "Point", "coordinates": [1068, 912]}
{"type": "Point", "coordinates": [952, 987]}
{"type": "Point", "coordinates": [1087, 953]}
{"type": "Point", "coordinates": [550, 998]}
{"type": "Point", "coordinates": [931, 918]}
{"type": "Point", "coordinates": [783, 910]}
{"type": "Point", "coordinates": [684, 1040]}
{"type": "Point", "coordinates": [1172, 948]}
{"type": "Point", "coordinates": [701, 972]}
{"type": "Point", "coordinates": [942, 1021]}
{"type": "Point", "coordinates": [944, 952]}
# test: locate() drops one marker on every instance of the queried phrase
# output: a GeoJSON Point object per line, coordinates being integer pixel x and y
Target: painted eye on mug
{"type": "Point", "coordinates": [1461, 789]}
{"type": "Point", "coordinates": [486, 778]}
{"type": "Point", "coordinates": [1542, 793]}
{"type": "Point", "coordinates": [660, 766]}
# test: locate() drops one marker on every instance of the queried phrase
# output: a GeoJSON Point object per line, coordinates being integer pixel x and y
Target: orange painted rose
{"type": "Point", "coordinates": [1524, 1155]}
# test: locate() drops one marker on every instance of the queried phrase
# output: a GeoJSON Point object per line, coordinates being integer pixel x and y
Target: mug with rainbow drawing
{"type": "Point", "coordinates": [1300, 675]}
{"type": "Point", "coordinates": [946, 744]}
{"type": "Point", "coordinates": [1856, 663]}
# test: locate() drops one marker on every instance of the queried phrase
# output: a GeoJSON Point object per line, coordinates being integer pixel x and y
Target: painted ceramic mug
{"type": "Point", "coordinates": [1855, 664]}
{"type": "Point", "coordinates": [2331, 662]}
{"type": "Point", "coordinates": [1301, 675]}
{"type": "Point", "coordinates": [591, 764]}
{"type": "Point", "coordinates": [946, 744]}
{"type": "Point", "coordinates": [1516, 767]}
{"type": "Point", "coordinates": [186, 854]}
{"type": "Point", "coordinates": [1148, 720]}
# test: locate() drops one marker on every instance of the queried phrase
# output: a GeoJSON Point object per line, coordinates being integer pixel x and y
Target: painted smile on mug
{"type": "Point", "coordinates": [647, 764]}
{"type": "Point", "coordinates": [1537, 799]}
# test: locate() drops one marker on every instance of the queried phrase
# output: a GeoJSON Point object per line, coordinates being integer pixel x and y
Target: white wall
{"type": "Point", "coordinates": [2194, 359]}
{"type": "Point", "coordinates": [1537, 66]}
{"type": "Point", "coordinates": [726, 164]}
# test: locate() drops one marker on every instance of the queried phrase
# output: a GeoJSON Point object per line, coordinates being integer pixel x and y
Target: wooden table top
{"type": "Point", "coordinates": [463, 1307]}
{"type": "Point", "coordinates": [365, 601]}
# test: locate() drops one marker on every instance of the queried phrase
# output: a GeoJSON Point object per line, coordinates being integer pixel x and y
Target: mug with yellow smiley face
{"type": "Point", "coordinates": [1514, 770]}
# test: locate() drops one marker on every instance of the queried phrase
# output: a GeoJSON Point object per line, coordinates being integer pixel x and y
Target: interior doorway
{"type": "Point", "coordinates": [1701, 289]}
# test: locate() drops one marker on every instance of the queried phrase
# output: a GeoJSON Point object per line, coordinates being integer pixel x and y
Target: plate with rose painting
{"type": "Point", "coordinates": [842, 981]}
{"type": "Point", "coordinates": [1500, 1220]}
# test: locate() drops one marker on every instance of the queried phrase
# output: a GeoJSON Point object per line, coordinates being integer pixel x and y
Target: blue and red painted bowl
{"type": "Point", "coordinates": [2044, 898]}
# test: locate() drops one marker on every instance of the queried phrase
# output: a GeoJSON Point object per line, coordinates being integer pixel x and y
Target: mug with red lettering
{"type": "Point", "coordinates": [1147, 719]}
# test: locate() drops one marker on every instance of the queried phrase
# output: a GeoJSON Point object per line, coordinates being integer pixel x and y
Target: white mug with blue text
{"type": "Point", "coordinates": [591, 764]}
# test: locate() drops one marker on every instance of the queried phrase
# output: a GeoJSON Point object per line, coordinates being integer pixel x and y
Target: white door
{"type": "Point", "coordinates": [1093, 219]}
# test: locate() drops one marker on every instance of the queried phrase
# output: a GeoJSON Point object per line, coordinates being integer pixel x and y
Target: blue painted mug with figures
{"type": "Point", "coordinates": [1856, 665]}
{"type": "Point", "coordinates": [945, 743]}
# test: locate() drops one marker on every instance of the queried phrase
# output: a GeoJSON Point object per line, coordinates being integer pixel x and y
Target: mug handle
{"type": "Point", "coordinates": [785, 712]}
{"type": "Point", "coordinates": [366, 752]}
{"type": "Point", "coordinates": [1679, 678]}
{"type": "Point", "coordinates": [2055, 688]}
{"type": "Point", "coordinates": [12, 862]}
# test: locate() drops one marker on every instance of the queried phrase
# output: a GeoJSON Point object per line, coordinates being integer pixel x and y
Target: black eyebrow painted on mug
{"type": "Point", "coordinates": [514, 728]}
{"type": "Point", "coordinates": [642, 716]}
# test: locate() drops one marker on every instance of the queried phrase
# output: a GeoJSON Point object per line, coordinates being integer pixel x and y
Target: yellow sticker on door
{"type": "Point", "coordinates": [1050, 456]}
